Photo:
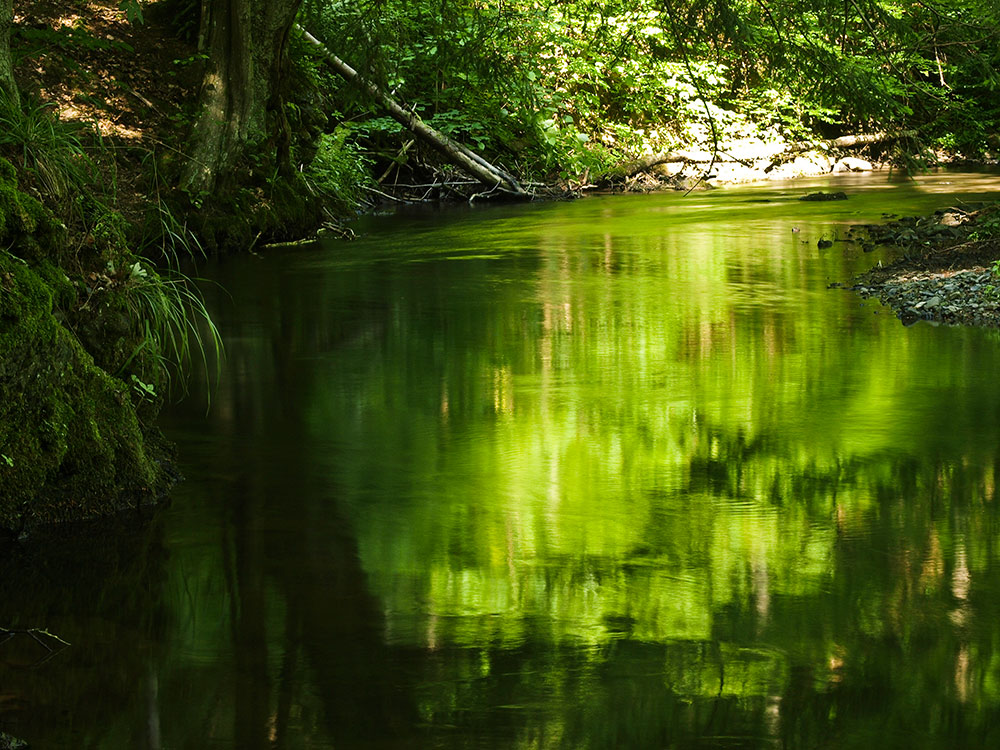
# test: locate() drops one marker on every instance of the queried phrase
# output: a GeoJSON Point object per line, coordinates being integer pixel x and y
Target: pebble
{"type": "Point", "coordinates": [966, 297]}
{"type": "Point", "coordinates": [954, 297]}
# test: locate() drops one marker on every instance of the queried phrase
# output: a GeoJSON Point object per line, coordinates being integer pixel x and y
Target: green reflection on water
{"type": "Point", "coordinates": [659, 426]}
{"type": "Point", "coordinates": [615, 473]}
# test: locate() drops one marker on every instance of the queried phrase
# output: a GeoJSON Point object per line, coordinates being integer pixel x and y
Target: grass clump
{"type": "Point", "coordinates": [48, 153]}
{"type": "Point", "coordinates": [170, 318]}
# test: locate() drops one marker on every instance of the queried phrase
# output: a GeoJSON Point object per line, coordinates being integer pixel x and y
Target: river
{"type": "Point", "coordinates": [621, 472]}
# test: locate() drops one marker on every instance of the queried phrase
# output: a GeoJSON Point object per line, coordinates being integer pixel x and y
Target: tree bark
{"type": "Point", "coordinates": [6, 61]}
{"type": "Point", "coordinates": [241, 106]}
{"type": "Point", "coordinates": [462, 157]}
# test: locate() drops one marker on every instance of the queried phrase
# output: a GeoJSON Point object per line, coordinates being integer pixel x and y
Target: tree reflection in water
{"type": "Point", "coordinates": [617, 473]}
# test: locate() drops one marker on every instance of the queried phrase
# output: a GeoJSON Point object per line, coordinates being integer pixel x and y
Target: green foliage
{"type": "Point", "coordinates": [339, 171]}
{"type": "Point", "coordinates": [48, 152]}
{"type": "Point", "coordinates": [572, 86]}
{"type": "Point", "coordinates": [133, 10]}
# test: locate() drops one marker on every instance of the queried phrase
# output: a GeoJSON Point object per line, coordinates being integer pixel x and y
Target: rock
{"type": "Point", "coordinates": [934, 301]}
{"type": "Point", "coordinates": [823, 244]}
{"type": "Point", "coordinates": [75, 445]}
{"type": "Point", "coordinates": [821, 196]}
{"type": "Point", "coordinates": [852, 164]}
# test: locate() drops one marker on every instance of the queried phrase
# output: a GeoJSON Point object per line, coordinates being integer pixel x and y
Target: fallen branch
{"type": "Point", "coordinates": [848, 141]}
{"type": "Point", "coordinates": [472, 163]}
{"type": "Point", "coordinates": [422, 186]}
{"type": "Point", "coordinates": [289, 244]}
{"type": "Point", "coordinates": [648, 161]}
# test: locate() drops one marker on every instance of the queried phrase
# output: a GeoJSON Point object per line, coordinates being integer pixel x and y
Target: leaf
{"type": "Point", "coordinates": [133, 11]}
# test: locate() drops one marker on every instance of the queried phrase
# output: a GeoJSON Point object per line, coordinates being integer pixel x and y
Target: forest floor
{"type": "Point", "coordinates": [131, 87]}
{"type": "Point", "coordinates": [947, 272]}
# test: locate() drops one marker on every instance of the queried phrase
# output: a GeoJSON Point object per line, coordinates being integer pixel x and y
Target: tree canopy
{"type": "Point", "coordinates": [575, 85]}
{"type": "Point", "coordinates": [553, 90]}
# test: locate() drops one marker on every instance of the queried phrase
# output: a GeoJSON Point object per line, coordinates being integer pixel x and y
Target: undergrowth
{"type": "Point", "coordinates": [72, 173]}
{"type": "Point", "coordinates": [339, 172]}
{"type": "Point", "coordinates": [49, 154]}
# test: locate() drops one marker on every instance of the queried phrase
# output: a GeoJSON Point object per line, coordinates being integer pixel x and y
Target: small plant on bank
{"type": "Point", "coordinates": [339, 171]}
{"type": "Point", "coordinates": [987, 224]}
{"type": "Point", "coordinates": [170, 319]}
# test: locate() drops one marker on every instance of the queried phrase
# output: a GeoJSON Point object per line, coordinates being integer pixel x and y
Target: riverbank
{"type": "Point", "coordinates": [947, 271]}
{"type": "Point", "coordinates": [94, 329]}
{"type": "Point", "coordinates": [81, 374]}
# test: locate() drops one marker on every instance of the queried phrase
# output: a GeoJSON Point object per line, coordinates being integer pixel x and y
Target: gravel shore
{"type": "Point", "coordinates": [945, 275]}
{"type": "Point", "coordinates": [954, 297]}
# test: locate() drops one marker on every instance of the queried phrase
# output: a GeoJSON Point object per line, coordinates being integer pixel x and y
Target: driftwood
{"type": "Point", "coordinates": [470, 162]}
{"type": "Point", "coordinates": [848, 141]}
{"type": "Point", "coordinates": [648, 161]}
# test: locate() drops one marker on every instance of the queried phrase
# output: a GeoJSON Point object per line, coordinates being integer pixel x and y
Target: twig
{"type": "Point", "coordinates": [390, 197]}
{"type": "Point", "coordinates": [36, 635]}
{"type": "Point", "coordinates": [395, 162]}
{"type": "Point", "coordinates": [472, 198]}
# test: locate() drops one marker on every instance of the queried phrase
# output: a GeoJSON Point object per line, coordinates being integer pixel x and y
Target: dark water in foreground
{"type": "Point", "coordinates": [618, 473]}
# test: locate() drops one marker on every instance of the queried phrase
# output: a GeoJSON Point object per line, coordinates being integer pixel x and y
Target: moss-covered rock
{"type": "Point", "coordinates": [24, 222]}
{"type": "Point", "coordinates": [71, 445]}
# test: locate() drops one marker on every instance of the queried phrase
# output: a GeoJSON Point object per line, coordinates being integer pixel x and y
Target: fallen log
{"type": "Point", "coordinates": [470, 162]}
{"type": "Point", "coordinates": [848, 141]}
{"type": "Point", "coordinates": [648, 161]}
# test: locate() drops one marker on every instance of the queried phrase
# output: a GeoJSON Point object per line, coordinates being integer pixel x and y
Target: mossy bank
{"type": "Point", "coordinates": [72, 442]}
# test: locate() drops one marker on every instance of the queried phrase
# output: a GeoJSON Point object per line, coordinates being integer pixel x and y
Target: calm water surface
{"type": "Point", "coordinates": [616, 473]}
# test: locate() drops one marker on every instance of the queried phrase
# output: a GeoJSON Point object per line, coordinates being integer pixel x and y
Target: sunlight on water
{"type": "Point", "coordinates": [635, 444]}
{"type": "Point", "coordinates": [622, 472]}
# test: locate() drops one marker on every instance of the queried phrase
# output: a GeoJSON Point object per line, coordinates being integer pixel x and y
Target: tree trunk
{"type": "Point", "coordinates": [241, 108]}
{"type": "Point", "coordinates": [6, 62]}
